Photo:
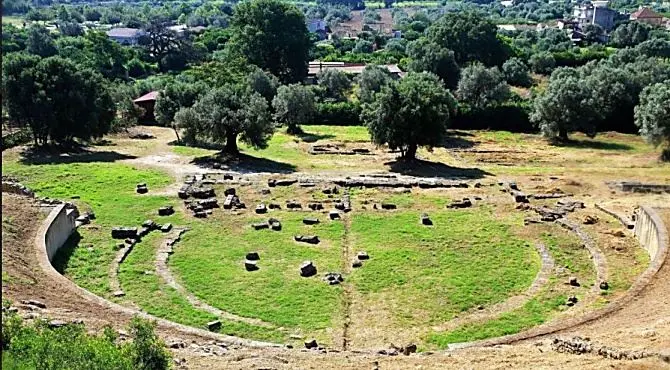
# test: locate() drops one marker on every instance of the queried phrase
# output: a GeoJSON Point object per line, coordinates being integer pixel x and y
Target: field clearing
{"type": "Point", "coordinates": [13, 20]}
{"type": "Point", "coordinates": [419, 278]}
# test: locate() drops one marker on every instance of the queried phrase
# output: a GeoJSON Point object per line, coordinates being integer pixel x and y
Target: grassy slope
{"type": "Point", "coordinates": [568, 255]}
{"type": "Point", "coordinates": [109, 189]}
{"type": "Point", "coordinates": [424, 267]}
{"type": "Point", "coordinates": [211, 265]}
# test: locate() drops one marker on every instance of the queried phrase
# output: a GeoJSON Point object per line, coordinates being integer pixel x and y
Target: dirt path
{"type": "Point", "coordinates": [163, 270]}
{"type": "Point", "coordinates": [644, 323]}
{"type": "Point", "coordinates": [347, 253]}
{"type": "Point", "coordinates": [598, 257]}
{"type": "Point", "coordinates": [512, 303]}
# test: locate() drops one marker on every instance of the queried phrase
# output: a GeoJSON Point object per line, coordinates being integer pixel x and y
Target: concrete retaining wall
{"type": "Point", "coordinates": [61, 223]}
{"type": "Point", "coordinates": [648, 231]}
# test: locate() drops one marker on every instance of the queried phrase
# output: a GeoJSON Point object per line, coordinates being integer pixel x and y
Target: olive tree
{"type": "Point", "coordinates": [516, 72]}
{"type": "Point", "coordinates": [294, 105]}
{"type": "Point", "coordinates": [481, 87]}
{"type": "Point", "coordinates": [566, 105]}
{"type": "Point", "coordinates": [412, 112]}
{"type": "Point", "coordinates": [226, 113]}
{"type": "Point", "coordinates": [652, 115]}
{"type": "Point", "coordinates": [335, 83]}
{"type": "Point", "coordinates": [58, 100]}
{"type": "Point", "coordinates": [429, 56]}
{"type": "Point", "coordinates": [371, 81]}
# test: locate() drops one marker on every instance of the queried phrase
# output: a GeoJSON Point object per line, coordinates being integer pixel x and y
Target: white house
{"type": "Point", "coordinates": [125, 36]}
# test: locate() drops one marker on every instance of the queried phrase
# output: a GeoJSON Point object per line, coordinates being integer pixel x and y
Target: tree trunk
{"type": "Point", "coordinates": [176, 132]}
{"type": "Point", "coordinates": [563, 134]}
{"type": "Point", "coordinates": [231, 144]}
{"type": "Point", "coordinates": [411, 151]}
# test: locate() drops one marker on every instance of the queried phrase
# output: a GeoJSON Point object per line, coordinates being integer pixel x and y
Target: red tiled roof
{"type": "Point", "coordinates": [147, 97]}
{"type": "Point", "coordinates": [645, 13]}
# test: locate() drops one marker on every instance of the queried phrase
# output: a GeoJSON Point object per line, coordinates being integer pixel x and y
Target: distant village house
{"type": "Point", "coordinates": [316, 67]}
{"type": "Point", "coordinates": [647, 15]}
{"type": "Point", "coordinates": [596, 12]}
{"type": "Point", "coordinates": [125, 36]}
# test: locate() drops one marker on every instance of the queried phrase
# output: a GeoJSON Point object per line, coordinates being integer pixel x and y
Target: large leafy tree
{"type": "Point", "coordinates": [294, 105]}
{"type": "Point", "coordinates": [412, 112]}
{"type": "Point", "coordinates": [40, 42]}
{"type": "Point", "coordinates": [542, 62]}
{"type": "Point", "coordinates": [566, 105]}
{"type": "Point", "coordinates": [470, 36]}
{"type": "Point", "coordinates": [429, 56]}
{"type": "Point", "coordinates": [263, 83]}
{"type": "Point", "coordinates": [371, 81]}
{"type": "Point", "coordinates": [161, 42]}
{"type": "Point", "coordinates": [630, 34]}
{"type": "Point", "coordinates": [56, 99]}
{"type": "Point", "coordinates": [272, 35]}
{"type": "Point", "coordinates": [226, 113]}
{"type": "Point", "coordinates": [335, 83]}
{"type": "Point", "coordinates": [96, 51]}
{"type": "Point", "coordinates": [516, 72]}
{"type": "Point", "coordinates": [481, 87]}
{"type": "Point", "coordinates": [652, 115]}
{"type": "Point", "coordinates": [174, 97]}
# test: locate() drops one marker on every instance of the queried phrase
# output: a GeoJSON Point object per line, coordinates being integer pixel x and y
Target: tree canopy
{"type": "Point", "coordinates": [428, 56]}
{"type": "Point", "coordinates": [56, 99]}
{"type": "Point", "coordinates": [652, 115]}
{"type": "Point", "coordinates": [371, 81]}
{"type": "Point", "coordinates": [566, 105]}
{"type": "Point", "coordinates": [481, 87]}
{"type": "Point", "coordinates": [272, 35]}
{"type": "Point", "coordinates": [294, 105]}
{"type": "Point", "coordinates": [516, 73]}
{"type": "Point", "coordinates": [225, 113]}
{"type": "Point", "coordinates": [470, 36]}
{"type": "Point", "coordinates": [412, 112]}
{"type": "Point", "coordinates": [335, 83]}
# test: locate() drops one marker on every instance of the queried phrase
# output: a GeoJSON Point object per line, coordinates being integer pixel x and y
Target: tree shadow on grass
{"type": "Point", "coordinates": [199, 145]}
{"type": "Point", "coordinates": [590, 144]}
{"type": "Point", "coordinates": [38, 156]}
{"type": "Point", "coordinates": [242, 163]}
{"type": "Point", "coordinates": [458, 140]}
{"type": "Point", "coordinates": [312, 138]}
{"type": "Point", "coordinates": [62, 258]}
{"type": "Point", "coordinates": [421, 168]}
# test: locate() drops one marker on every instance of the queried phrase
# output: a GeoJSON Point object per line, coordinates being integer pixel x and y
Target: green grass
{"type": "Point", "coordinates": [191, 151]}
{"type": "Point", "coordinates": [148, 291]}
{"type": "Point", "coordinates": [211, 265]}
{"type": "Point", "coordinates": [292, 150]}
{"type": "Point", "coordinates": [339, 133]}
{"type": "Point", "coordinates": [467, 258]}
{"type": "Point", "coordinates": [534, 312]}
{"type": "Point", "coordinates": [13, 20]}
{"type": "Point", "coordinates": [109, 190]}
{"type": "Point", "coordinates": [568, 254]}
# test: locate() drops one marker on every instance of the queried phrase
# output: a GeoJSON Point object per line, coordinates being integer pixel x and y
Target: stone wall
{"type": "Point", "coordinates": [649, 231]}
{"type": "Point", "coordinates": [61, 224]}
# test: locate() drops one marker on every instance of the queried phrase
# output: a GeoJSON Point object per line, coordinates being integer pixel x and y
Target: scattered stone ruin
{"type": "Point", "coordinates": [336, 149]}
{"type": "Point", "coordinates": [638, 187]}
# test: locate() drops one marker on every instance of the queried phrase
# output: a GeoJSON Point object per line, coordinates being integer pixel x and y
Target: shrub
{"type": "Point", "coordinates": [510, 116]}
{"type": "Point", "coordinates": [341, 113]}
{"type": "Point", "coordinates": [37, 346]}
